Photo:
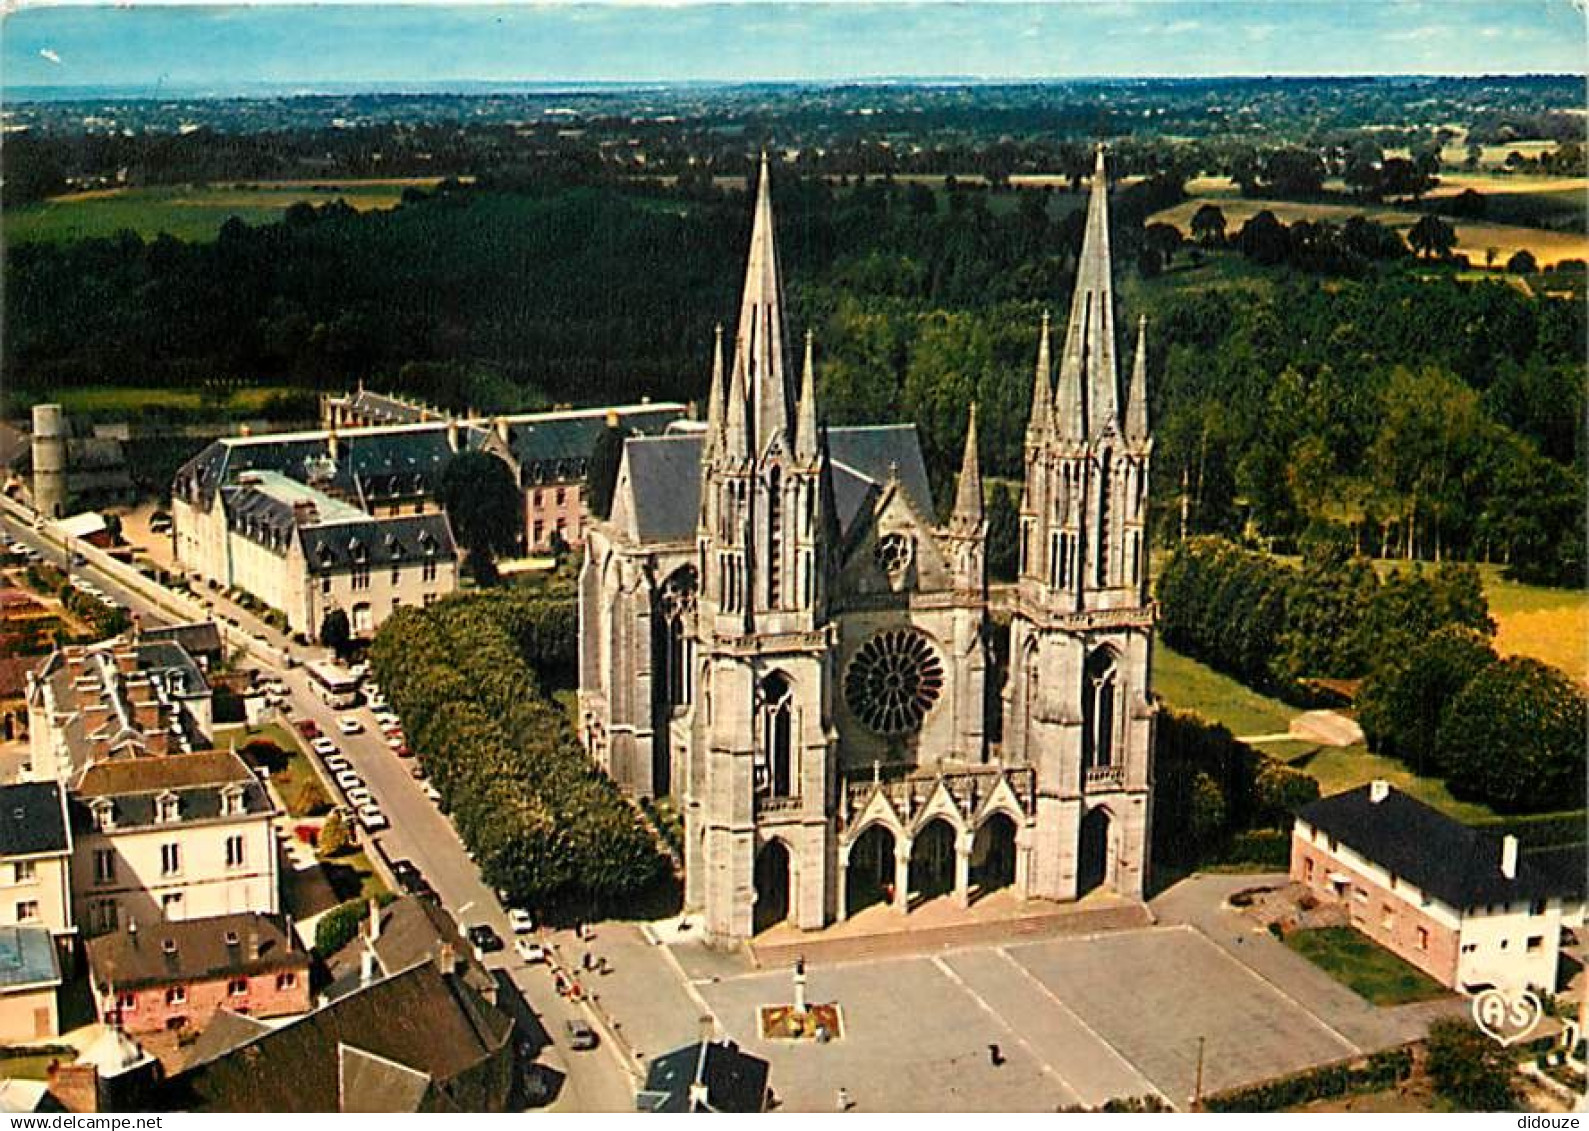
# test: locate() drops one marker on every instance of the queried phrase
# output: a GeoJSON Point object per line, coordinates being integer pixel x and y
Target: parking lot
{"type": "Point", "coordinates": [1077, 1020]}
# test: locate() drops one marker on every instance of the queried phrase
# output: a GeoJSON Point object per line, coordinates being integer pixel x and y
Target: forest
{"type": "Point", "coordinates": [1424, 413]}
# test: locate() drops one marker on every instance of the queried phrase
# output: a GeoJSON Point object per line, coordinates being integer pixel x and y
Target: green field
{"type": "Point", "coordinates": [188, 212]}
{"type": "Point", "coordinates": [1364, 966]}
{"type": "Point", "coordinates": [120, 402]}
{"type": "Point", "coordinates": [1188, 685]}
{"type": "Point", "coordinates": [1337, 769]}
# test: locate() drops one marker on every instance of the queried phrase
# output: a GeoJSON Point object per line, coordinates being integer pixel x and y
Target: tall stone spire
{"type": "Point", "coordinates": [714, 396]}
{"type": "Point", "coordinates": [736, 411]}
{"type": "Point", "coordinates": [968, 492]}
{"type": "Point", "coordinates": [1137, 394]}
{"type": "Point", "coordinates": [806, 444]}
{"type": "Point", "coordinates": [1042, 387]}
{"type": "Point", "coordinates": [759, 340]}
{"type": "Point", "coordinates": [1088, 363]}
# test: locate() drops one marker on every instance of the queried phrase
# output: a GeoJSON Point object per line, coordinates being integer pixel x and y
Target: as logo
{"type": "Point", "coordinates": [1507, 1019]}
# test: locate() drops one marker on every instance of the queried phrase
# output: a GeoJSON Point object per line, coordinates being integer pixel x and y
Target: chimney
{"type": "Point", "coordinates": [447, 960]}
{"type": "Point", "coordinates": [367, 966]}
{"type": "Point", "coordinates": [452, 434]}
{"type": "Point", "coordinates": [612, 418]}
{"type": "Point", "coordinates": [1509, 857]}
{"type": "Point", "coordinates": [502, 429]}
{"type": "Point", "coordinates": [1378, 790]}
{"type": "Point", "coordinates": [132, 931]}
{"type": "Point", "coordinates": [375, 921]}
{"type": "Point", "coordinates": [331, 443]}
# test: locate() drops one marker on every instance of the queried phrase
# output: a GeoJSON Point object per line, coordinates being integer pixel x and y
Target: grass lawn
{"type": "Point", "coordinates": [1534, 620]}
{"type": "Point", "coordinates": [30, 1067]}
{"type": "Point", "coordinates": [1347, 767]}
{"type": "Point", "coordinates": [1191, 686]}
{"type": "Point", "coordinates": [1364, 966]}
{"type": "Point", "coordinates": [351, 876]}
{"type": "Point", "coordinates": [289, 777]}
{"type": "Point", "coordinates": [188, 212]}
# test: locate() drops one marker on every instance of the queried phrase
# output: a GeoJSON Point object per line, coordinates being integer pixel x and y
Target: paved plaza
{"type": "Point", "coordinates": [1077, 1018]}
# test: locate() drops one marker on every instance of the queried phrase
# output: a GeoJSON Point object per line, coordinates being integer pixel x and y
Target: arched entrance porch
{"type": "Point", "coordinates": [772, 886]}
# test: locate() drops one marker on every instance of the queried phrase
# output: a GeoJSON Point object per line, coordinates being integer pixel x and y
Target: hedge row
{"type": "Point", "coordinates": [546, 826]}
{"type": "Point", "coordinates": [1381, 1070]}
{"type": "Point", "coordinates": [1273, 626]}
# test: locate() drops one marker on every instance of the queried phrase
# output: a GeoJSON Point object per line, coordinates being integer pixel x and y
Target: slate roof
{"type": "Point", "coordinates": [27, 958]}
{"type": "Point", "coordinates": [133, 784]}
{"type": "Point", "coordinates": [431, 1023]}
{"type": "Point", "coordinates": [202, 638]}
{"type": "Point", "coordinates": [556, 447]}
{"type": "Point", "coordinates": [199, 950]}
{"type": "Point", "coordinates": [1456, 863]}
{"type": "Point", "coordinates": [374, 1084]}
{"type": "Point", "coordinates": [665, 476]}
{"type": "Point", "coordinates": [32, 820]}
{"type": "Point", "coordinates": [735, 1081]}
{"type": "Point", "coordinates": [377, 542]}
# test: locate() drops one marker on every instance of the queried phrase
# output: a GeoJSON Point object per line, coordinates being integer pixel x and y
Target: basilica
{"type": "Point", "coordinates": [777, 633]}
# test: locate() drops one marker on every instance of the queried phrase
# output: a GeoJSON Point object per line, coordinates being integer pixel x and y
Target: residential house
{"type": "Point", "coordinates": [30, 976]}
{"type": "Point", "coordinates": [708, 1076]}
{"type": "Point", "coordinates": [35, 862]}
{"type": "Point", "coordinates": [421, 1040]}
{"type": "Point", "coordinates": [177, 975]}
{"type": "Point", "coordinates": [1470, 908]}
{"type": "Point", "coordinates": [159, 839]}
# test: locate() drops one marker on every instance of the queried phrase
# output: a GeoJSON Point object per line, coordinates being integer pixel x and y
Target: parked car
{"type": "Point", "coordinates": [484, 939]}
{"type": "Point", "coordinates": [433, 793]}
{"type": "Point", "coordinates": [519, 921]}
{"type": "Point", "coordinates": [417, 771]}
{"type": "Point", "coordinates": [403, 751]}
{"type": "Point", "coordinates": [385, 719]}
{"type": "Point", "coordinates": [347, 779]}
{"type": "Point", "coordinates": [308, 728]}
{"type": "Point", "coordinates": [580, 1033]}
{"type": "Point", "coordinates": [360, 796]}
{"type": "Point", "coordinates": [337, 763]}
{"type": "Point", "coordinates": [324, 747]}
{"type": "Point", "coordinates": [371, 818]}
{"type": "Point", "coordinates": [348, 725]}
{"type": "Point", "coordinates": [529, 950]}
{"type": "Point", "coordinates": [397, 741]}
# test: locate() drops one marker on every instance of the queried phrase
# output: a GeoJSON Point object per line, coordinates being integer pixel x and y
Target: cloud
{"type": "Point", "coordinates": [53, 57]}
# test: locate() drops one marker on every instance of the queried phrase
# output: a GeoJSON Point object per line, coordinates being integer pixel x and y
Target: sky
{"type": "Point", "coordinates": [149, 47]}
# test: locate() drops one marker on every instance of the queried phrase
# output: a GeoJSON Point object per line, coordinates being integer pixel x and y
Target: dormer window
{"type": "Point", "coordinates": [104, 813]}
{"type": "Point", "coordinates": [232, 801]}
{"type": "Point", "coordinates": [168, 808]}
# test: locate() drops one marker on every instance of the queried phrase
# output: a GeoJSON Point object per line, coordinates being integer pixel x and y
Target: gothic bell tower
{"type": "Point", "coordinates": [763, 767]}
{"type": "Point", "coordinates": [1077, 703]}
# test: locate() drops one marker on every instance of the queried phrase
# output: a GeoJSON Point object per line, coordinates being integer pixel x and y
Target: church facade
{"type": "Point", "coordinates": [777, 633]}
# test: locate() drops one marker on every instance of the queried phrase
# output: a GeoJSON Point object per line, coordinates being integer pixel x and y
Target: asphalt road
{"type": "Point", "coordinates": [15, 531]}
{"type": "Point", "coordinates": [594, 1080]}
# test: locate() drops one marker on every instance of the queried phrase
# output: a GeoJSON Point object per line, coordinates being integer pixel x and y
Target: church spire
{"type": "Point", "coordinates": [1137, 395]}
{"type": "Point", "coordinates": [1042, 386]}
{"type": "Point", "coordinates": [806, 446]}
{"type": "Point", "coordinates": [1088, 363]}
{"type": "Point", "coordinates": [968, 492]}
{"type": "Point", "coordinates": [736, 412]}
{"type": "Point", "coordinates": [759, 339]}
{"type": "Point", "coordinates": [714, 396]}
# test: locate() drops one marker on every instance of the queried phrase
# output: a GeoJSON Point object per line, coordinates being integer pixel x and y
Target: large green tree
{"type": "Point", "coordinates": [482, 502]}
{"type": "Point", "coordinates": [1515, 736]}
{"type": "Point", "coordinates": [1402, 702]}
{"type": "Point", "coordinates": [1469, 1069]}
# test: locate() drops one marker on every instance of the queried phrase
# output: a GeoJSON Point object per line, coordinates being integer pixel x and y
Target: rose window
{"type": "Point", "coordinates": [893, 681]}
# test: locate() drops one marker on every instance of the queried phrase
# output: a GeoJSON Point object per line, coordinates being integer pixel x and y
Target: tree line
{"type": "Point", "coordinates": [548, 827]}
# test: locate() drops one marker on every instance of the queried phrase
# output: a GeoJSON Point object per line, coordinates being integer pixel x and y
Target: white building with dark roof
{"type": "Point", "coordinates": [35, 860]}
{"type": "Point", "coordinates": [1470, 908]}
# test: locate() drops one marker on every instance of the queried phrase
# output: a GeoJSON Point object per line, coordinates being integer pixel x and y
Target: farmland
{"type": "Point", "coordinates": [189, 212]}
{"type": "Point", "coordinates": [1538, 200]}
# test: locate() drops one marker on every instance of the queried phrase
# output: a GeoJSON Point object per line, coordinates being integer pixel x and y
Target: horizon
{"type": "Point", "coordinates": [219, 51]}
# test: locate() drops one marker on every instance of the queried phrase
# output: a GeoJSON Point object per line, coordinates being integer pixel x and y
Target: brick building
{"type": "Point", "coordinates": [1469, 908]}
{"type": "Point", "coordinates": [177, 975]}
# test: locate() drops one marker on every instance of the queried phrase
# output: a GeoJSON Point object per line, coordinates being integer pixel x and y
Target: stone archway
{"type": "Point", "coordinates": [869, 875]}
{"type": "Point", "coordinates": [993, 855]}
{"type": "Point", "coordinates": [772, 886]}
{"type": "Point", "coordinates": [1093, 857]}
{"type": "Point", "coordinates": [932, 861]}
